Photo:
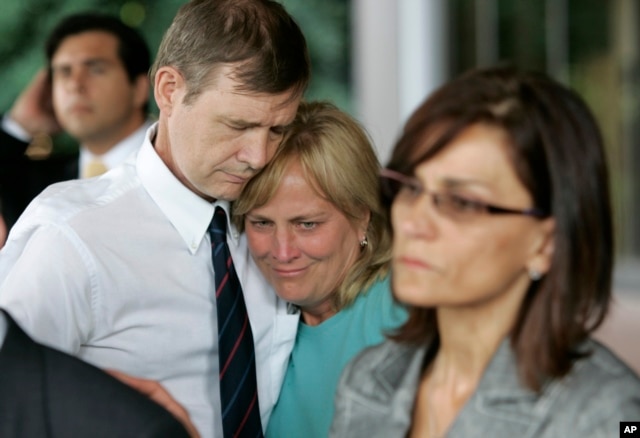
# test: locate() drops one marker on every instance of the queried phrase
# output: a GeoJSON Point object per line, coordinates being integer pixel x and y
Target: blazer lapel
{"type": "Point", "coordinates": [396, 380]}
{"type": "Point", "coordinates": [501, 406]}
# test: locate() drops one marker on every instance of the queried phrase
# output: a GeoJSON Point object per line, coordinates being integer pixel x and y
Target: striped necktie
{"type": "Point", "coordinates": [238, 387]}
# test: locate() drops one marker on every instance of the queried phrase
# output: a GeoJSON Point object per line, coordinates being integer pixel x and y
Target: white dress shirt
{"type": "Point", "coordinates": [117, 270]}
{"type": "Point", "coordinates": [14, 129]}
{"type": "Point", "coordinates": [118, 153]}
{"type": "Point", "coordinates": [112, 158]}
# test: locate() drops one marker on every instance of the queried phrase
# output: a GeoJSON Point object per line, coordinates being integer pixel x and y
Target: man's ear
{"type": "Point", "coordinates": [169, 89]}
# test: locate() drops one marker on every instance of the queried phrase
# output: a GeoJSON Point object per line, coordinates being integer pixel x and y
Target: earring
{"type": "Point", "coordinates": [534, 275]}
{"type": "Point", "coordinates": [364, 242]}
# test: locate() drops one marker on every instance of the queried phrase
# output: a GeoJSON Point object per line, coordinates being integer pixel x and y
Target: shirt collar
{"type": "Point", "coordinates": [118, 153]}
{"type": "Point", "coordinates": [188, 213]}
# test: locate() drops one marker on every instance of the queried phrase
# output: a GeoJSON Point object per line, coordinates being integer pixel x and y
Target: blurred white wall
{"type": "Point", "coordinates": [400, 55]}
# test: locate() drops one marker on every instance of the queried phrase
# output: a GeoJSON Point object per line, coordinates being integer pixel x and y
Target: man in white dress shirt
{"type": "Point", "coordinates": [95, 88]}
{"type": "Point", "coordinates": [118, 269]}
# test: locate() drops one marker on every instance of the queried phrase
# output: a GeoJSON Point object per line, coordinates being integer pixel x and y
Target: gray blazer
{"type": "Point", "coordinates": [377, 389]}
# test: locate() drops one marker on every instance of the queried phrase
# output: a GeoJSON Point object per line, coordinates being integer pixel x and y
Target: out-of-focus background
{"type": "Point", "coordinates": [378, 59]}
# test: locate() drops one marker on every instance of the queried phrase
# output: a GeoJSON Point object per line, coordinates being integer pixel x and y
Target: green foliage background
{"type": "Point", "coordinates": [24, 25]}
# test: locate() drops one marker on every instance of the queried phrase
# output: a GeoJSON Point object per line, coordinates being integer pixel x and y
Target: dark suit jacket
{"type": "Point", "coordinates": [22, 178]}
{"type": "Point", "coordinates": [45, 393]}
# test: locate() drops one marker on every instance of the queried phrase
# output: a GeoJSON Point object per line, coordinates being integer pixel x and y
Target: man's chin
{"type": "Point", "coordinates": [229, 194]}
{"type": "Point", "coordinates": [80, 133]}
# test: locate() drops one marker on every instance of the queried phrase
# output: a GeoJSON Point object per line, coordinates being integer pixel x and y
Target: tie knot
{"type": "Point", "coordinates": [218, 226]}
{"type": "Point", "coordinates": [93, 168]}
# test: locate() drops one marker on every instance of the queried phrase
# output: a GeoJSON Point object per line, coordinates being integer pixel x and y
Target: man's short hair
{"type": "Point", "coordinates": [133, 51]}
{"type": "Point", "coordinates": [258, 37]}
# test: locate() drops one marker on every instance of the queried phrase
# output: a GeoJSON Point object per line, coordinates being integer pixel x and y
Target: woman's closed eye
{"type": "Point", "coordinates": [260, 224]}
{"type": "Point", "coordinates": [458, 204]}
{"type": "Point", "coordinates": [411, 189]}
{"type": "Point", "coordinates": [307, 225]}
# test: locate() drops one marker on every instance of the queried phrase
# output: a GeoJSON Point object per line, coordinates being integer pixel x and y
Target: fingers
{"type": "Point", "coordinates": [156, 392]}
{"type": "Point", "coordinates": [3, 231]}
{"type": "Point", "coordinates": [33, 109]}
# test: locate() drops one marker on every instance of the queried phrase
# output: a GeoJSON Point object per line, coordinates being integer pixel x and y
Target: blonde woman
{"type": "Point", "coordinates": [317, 232]}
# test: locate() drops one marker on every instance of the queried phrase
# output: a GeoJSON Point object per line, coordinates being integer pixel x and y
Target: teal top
{"type": "Point", "coordinates": [305, 406]}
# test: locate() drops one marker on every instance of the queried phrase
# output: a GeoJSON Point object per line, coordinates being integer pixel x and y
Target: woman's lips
{"type": "Point", "coordinates": [288, 272]}
{"type": "Point", "coordinates": [412, 262]}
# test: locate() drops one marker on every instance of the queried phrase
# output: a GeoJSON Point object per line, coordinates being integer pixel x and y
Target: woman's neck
{"type": "Point", "coordinates": [470, 335]}
{"type": "Point", "coordinates": [316, 315]}
{"type": "Point", "coordinates": [468, 339]}
{"type": "Point", "coordinates": [453, 375]}
{"type": "Point", "coordinates": [467, 342]}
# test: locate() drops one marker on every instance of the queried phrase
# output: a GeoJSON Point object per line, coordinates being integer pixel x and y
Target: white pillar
{"type": "Point", "coordinates": [422, 48]}
{"type": "Point", "coordinates": [399, 57]}
{"type": "Point", "coordinates": [375, 72]}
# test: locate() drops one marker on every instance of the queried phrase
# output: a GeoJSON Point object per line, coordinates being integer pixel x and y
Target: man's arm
{"type": "Point", "coordinates": [156, 392]}
{"type": "Point", "coordinates": [11, 148]}
{"type": "Point", "coordinates": [31, 115]}
{"type": "Point", "coordinates": [46, 284]}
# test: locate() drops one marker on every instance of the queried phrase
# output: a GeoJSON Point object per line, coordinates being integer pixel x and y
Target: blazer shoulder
{"type": "Point", "coordinates": [610, 377]}
{"type": "Point", "coordinates": [597, 394]}
{"type": "Point", "coordinates": [602, 365]}
{"type": "Point", "coordinates": [102, 399]}
{"type": "Point", "coordinates": [378, 371]}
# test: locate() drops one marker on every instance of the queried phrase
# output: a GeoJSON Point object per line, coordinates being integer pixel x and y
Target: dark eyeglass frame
{"type": "Point", "coordinates": [438, 199]}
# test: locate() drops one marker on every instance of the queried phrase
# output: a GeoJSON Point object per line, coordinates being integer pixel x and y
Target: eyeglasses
{"type": "Point", "coordinates": [403, 188]}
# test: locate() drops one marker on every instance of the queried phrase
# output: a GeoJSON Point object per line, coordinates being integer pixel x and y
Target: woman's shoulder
{"type": "Point", "coordinates": [602, 365]}
{"type": "Point", "coordinates": [600, 388]}
{"type": "Point", "coordinates": [387, 363]}
{"type": "Point", "coordinates": [387, 352]}
{"type": "Point", "coordinates": [598, 393]}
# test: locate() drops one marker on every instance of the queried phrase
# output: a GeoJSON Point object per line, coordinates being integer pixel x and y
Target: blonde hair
{"type": "Point", "coordinates": [339, 161]}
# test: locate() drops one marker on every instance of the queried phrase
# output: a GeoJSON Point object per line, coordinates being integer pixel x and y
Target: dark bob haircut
{"type": "Point", "coordinates": [133, 51]}
{"type": "Point", "coordinates": [557, 152]}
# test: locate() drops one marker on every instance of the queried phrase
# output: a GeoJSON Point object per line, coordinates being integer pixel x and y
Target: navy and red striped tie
{"type": "Point", "coordinates": [238, 387]}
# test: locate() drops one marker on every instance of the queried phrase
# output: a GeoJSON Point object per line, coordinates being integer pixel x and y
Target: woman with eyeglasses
{"type": "Point", "coordinates": [503, 252]}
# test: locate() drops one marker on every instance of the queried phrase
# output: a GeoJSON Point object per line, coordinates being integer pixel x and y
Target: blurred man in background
{"type": "Point", "coordinates": [95, 88]}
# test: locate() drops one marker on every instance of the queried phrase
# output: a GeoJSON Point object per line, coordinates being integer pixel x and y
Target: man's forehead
{"type": "Point", "coordinates": [249, 111]}
{"type": "Point", "coordinates": [224, 78]}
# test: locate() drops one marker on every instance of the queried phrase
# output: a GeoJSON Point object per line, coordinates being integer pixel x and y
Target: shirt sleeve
{"type": "Point", "coordinates": [14, 129]}
{"type": "Point", "coordinates": [47, 286]}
